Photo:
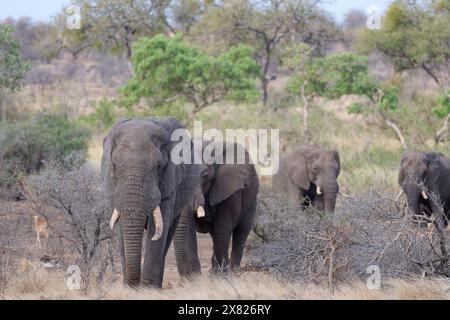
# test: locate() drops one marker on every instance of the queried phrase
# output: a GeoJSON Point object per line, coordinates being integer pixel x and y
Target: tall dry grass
{"type": "Point", "coordinates": [39, 283]}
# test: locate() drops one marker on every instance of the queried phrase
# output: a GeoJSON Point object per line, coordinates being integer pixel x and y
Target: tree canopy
{"type": "Point", "coordinates": [168, 69]}
{"type": "Point", "coordinates": [12, 67]}
{"type": "Point", "coordinates": [414, 34]}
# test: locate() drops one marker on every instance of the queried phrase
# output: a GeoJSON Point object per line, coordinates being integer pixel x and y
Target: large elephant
{"type": "Point", "coordinates": [229, 191]}
{"type": "Point", "coordinates": [310, 173]}
{"type": "Point", "coordinates": [425, 179]}
{"type": "Point", "coordinates": [147, 192]}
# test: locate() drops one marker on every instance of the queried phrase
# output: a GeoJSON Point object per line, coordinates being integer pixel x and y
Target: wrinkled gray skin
{"type": "Point", "coordinates": [230, 194]}
{"type": "Point", "coordinates": [139, 176]}
{"type": "Point", "coordinates": [305, 168]}
{"type": "Point", "coordinates": [430, 172]}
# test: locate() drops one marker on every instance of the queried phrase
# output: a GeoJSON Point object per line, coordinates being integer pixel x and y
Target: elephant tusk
{"type": "Point", "coordinates": [200, 212]}
{"type": "Point", "coordinates": [424, 195]}
{"type": "Point", "coordinates": [318, 190]}
{"type": "Point", "coordinates": [399, 195]}
{"type": "Point", "coordinates": [157, 218]}
{"type": "Point", "coordinates": [114, 218]}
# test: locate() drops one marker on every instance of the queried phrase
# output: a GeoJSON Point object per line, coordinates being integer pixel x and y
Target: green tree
{"type": "Point", "coordinates": [111, 25]}
{"type": "Point", "coordinates": [414, 34]}
{"type": "Point", "coordinates": [442, 111]}
{"type": "Point", "coordinates": [340, 74]}
{"type": "Point", "coordinates": [168, 69]}
{"type": "Point", "coordinates": [266, 26]}
{"type": "Point", "coordinates": [12, 67]}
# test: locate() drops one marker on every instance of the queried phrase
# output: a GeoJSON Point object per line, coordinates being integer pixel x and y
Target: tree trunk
{"type": "Point", "coordinates": [265, 89]}
{"type": "Point", "coordinates": [442, 133]}
{"type": "Point", "coordinates": [397, 130]}
{"type": "Point", "coordinates": [2, 111]}
{"type": "Point", "coordinates": [305, 111]}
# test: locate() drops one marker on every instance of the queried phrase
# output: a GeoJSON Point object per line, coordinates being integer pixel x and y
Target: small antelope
{"type": "Point", "coordinates": [41, 227]}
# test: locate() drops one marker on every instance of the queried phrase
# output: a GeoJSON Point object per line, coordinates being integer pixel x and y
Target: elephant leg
{"type": "Point", "coordinates": [220, 261]}
{"type": "Point", "coordinates": [221, 236]}
{"type": "Point", "coordinates": [240, 234]}
{"type": "Point", "coordinates": [222, 228]}
{"type": "Point", "coordinates": [155, 251]}
{"type": "Point", "coordinates": [172, 230]}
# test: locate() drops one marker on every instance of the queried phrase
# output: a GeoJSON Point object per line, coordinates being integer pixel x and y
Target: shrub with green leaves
{"type": "Point", "coordinates": [335, 75]}
{"type": "Point", "coordinates": [104, 115]}
{"type": "Point", "coordinates": [442, 108]}
{"type": "Point", "coordinates": [42, 138]}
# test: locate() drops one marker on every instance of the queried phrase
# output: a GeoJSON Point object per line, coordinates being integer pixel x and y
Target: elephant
{"type": "Point", "coordinates": [229, 193]}
{"type": "Point", "coordinates": [147, 192]}
{"type": "Point", "coordinates": [425, 179]}
{"type": "Point", "coordinates": [310, 173]}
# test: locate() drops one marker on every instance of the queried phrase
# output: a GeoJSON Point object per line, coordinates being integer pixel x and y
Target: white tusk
{"type": "Point", "coordinates": [399, 195]}
{"type": "Point", "coordinates": [157, 219]}
{"type": "Point", "coordinates": [424, 195]}
{"type": "Point", "coordinates": [114, 218]}
{"type": "Point", "coordinates": [200, 212]}
{"type": "Point", "coordinates": [318, 190]}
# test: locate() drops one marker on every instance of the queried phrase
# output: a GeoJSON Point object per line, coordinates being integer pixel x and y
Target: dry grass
{"type": "Point", "coordinates": [39, 283]}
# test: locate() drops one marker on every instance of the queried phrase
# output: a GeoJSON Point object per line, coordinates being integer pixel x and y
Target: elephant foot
{"type": "Point", "coordinates": [220, 270]}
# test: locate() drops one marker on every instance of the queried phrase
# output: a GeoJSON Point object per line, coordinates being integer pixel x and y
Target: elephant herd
{"type": "Point", "coordinates": [166, 200]}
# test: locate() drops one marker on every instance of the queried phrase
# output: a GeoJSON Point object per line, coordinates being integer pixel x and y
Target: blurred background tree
{"type": "Point", "coordinates": [12, 66]}
{"type": "Point", "coordinates": [414, 34]}
{"type": "Point", "coordinates": [266, 26]}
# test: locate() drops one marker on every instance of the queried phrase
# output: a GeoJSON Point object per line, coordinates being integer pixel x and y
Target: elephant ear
{"type": "Point", "coordinates": [297, 170]}
{"type": "Point", "coordinates": [229, 178]}
{"type": "Point", "coordinates": [172, 174]}
{"type": "Point", "coordinates": [401, 172]}
{"type": "Point", "coordinates": [338, 161]}
{"type": "Point", "coordinates": [433, 162]}
{"type": "Point", "coordinates": [107, 172]}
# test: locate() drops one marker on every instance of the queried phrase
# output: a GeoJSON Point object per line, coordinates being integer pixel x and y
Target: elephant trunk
{"type": "Point", "coordinates": [135, 203]}
{"type": "Point", "coordinates": [413, 193]}
{"type": "Point", "coordinates": [133, 231]}
{"type": "Point", "coordinates": [185, 243]}
{"type": "Point", "coordinates": [330, 190]}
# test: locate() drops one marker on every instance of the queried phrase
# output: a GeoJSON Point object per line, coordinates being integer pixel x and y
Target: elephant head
{"type": "Point", "coordinates": [226, 170]}
{"type": "Point", "coordinates": [139, 176]}
{"type": "Point", "coordinates": [315, 170]}
{"type": "Point", "coordinates": [418, 175]}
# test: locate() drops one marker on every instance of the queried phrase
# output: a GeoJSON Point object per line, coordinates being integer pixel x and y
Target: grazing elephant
{"type": "Point", "coordinates": [425, 179]}
{"type": "Point", "coordinates": [229, 191]}
{"type": "Point", "coordinates": [147, 191]}
{"type": "Point", "coordinates": [310, 173]}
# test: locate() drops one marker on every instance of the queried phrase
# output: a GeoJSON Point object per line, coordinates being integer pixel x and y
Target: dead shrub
{"type": "Point", "coordinates": [75, 206]}
{"type": "Point", "coordinates": [367, 231]}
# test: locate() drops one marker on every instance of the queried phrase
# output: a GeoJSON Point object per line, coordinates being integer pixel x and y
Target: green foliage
{"type": "Point", "coordinates": [44, 137]}
{"type": "Point", "coordinates": [12, 68]}
{"type": "Point", "coordinates": [112, 25]}
{"type": "Point", "coordinates": [355, 108]}
{"type": "Point", "coordinates": [414, 34]}
{"type": "Point", "coordinates": [168, 69]}
{"type": "Point", "coordinates": [104, 115]}
{"type": "Point", "coordinates": [442, 108]}
{"type": "Point", "coordinates": [335, 75]}
{"type": "Point", "coordinates": [389, 99]}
